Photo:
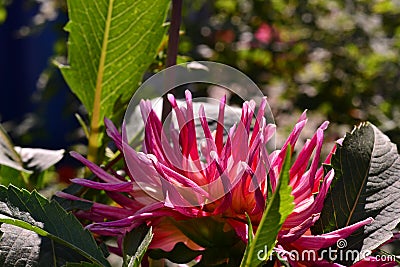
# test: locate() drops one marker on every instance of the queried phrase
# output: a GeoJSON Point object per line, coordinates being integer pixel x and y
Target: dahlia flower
{"type": "Point", "coordinates": [222, 178]}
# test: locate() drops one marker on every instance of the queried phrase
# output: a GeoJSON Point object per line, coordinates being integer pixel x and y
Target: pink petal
{"type": "Point", "coordinates": [182, 179]}
{"type": "Point", "coordinates": [126, 224]}
{"type": "Point", "coordinates": [259, 119]}
{"type": "Point", "coordinates": [210, 144]}
{"type": "Point", "coordinates": [166, 236]}
{"type": "Point", "coordinates": [305, 208]}
{"type": "Point", "coordinates": [191, 144]}
{"type": "Point", "coordinates": [105, 211]}
{"type": "Point", "coordinates": [329, 239]}
{"type": "Point", "coordinates": [296, 232]}
{"type": "Point", "coordinates": [240, 228]}
{"type": "Point", "coordinates": [119, 187]}
{"type": "Point", "coordinates": [277, 163]}
{"type": "Point", "coordinates": [99, 172]}
{"type": "Point", "coordinates": [113, 133]}
{"type": "Point", "coordinates": [140, 167]}
{"type": "Point", "coordinates": [124, 201]}
{"type": "Point", "coordinates": [227, 198]}
{"type": "Point", "coordinates": [239, 143]}
{"type": "Point", "coordinates": [219, 136]}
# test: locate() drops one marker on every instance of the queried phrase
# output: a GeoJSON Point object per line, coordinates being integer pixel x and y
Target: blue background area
{"type": "Point", "coordinates": [22, 60]}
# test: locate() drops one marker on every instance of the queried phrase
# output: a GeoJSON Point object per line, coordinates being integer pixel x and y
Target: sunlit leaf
{"type": "Point", "coordinates": [135, 245]}
{"type": "Point", "coordinates": [111, 44]}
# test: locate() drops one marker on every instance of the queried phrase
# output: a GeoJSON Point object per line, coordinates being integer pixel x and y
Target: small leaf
{"type": "Point", "coordinates": [12, 176]}
{"type": "Point", "coordinates": [279, 207]}
{"type": "Point", "coordinates": [367, 184]}
{"type": "Point", "coordinates": [37, 159]}
{"type": "Point", "coordinates": [8, 156]}
{"type": "Point", "coordinates": [135, 245]}
{"type": "Point", "coordinates": [33, 212]}
{"type": "Point", "coordinates": [250, 229]}
{"type": "Point", "coordinates": [83, 125]}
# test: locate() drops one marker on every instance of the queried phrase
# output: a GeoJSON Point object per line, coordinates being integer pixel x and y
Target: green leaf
{"type": "Point", "coordinates": [250, 225]}
{"type": "Point", "coordinates": [250, 237]}
{"type": "Point", "coordinates": [8, 156]}
{"type": "Point", "coordinates": [111, 45]}
{"type": "Point", "coordinates": [279, 207]}
{"type": "Point", "coordinates": [12, 176]}
{"type": "Point", "coordinates": [71, 205]}
{"type": "Point", "coordinates": [367, 184]}
{"type": "Point", "coordinates": [135, 245]}
{"type": "Point", "coordinates": [83, 125]}
{"type": "Point", "coordinates": [38, 159]}
{"type": "Point", "coordinates": [21, 247]}
{"type": "Point", "coordinates": [18, 246]}
{"type": "Point", "coordinates": [33, 212]}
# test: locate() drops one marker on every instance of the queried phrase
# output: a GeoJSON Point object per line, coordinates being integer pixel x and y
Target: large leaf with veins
{"type": "Point", "coordinates": [367, 184]}
{"type": "Point", "coordinates": [111, 44]}
{"type": "Point", "coordinates": [62, 239]}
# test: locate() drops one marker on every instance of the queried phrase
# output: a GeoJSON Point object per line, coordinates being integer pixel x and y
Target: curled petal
{"type": "Point", "coordinates": [296, 232]}
{"type": "Point", "coordinates": [113, 133]}
{"type": "Point", "coordinates": [167, 235]}
{"type": "Point", "coordinates": [119, 187]}
{"type": "Point", "coordinates": [326, 240]}
{"type": "Point", "coordinates": [102, 211]}
{"type": "Point", "coordinates": [99, 172]}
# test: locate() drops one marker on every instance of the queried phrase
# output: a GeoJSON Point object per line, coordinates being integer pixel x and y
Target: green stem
{"type": "Point", "coordinates": [93, 146]}
{"type": "Point", "coordinates": [172, 50]}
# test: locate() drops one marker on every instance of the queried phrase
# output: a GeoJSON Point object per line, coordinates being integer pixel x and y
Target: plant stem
{"type": "Point", "coordinates": [93, 145]}
{"type": "Point", "coordinates": [172, 50]}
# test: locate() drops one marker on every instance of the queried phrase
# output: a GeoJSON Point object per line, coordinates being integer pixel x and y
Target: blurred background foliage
{"type": "Point", "coordinates": [339, 59]}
